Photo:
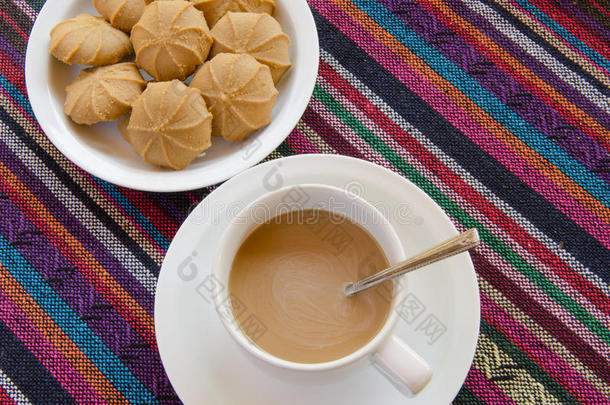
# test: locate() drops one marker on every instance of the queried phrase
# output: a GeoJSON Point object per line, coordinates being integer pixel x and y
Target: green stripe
{"type": "Point", "coordinates": [467, 397]}
{"type": "Point", "coordinates": [285, 150]}
{"type": "Point", "coordinates": [36, 4]}
{"type": "Point", "coordinates": [527, 364]}
{"type": "Point", "coordinates": [448, 205]}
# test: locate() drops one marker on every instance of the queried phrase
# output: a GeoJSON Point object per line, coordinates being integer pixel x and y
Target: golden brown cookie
{"type": "Point", "coordinates": [171, 39]}
{"type": "Point", "coordinates": [213, 10]}
{"type": "Point", "coordinates": [103, 93]}
{"type": "Point", "coordinates": [88, 40]}
{"type": "Point", "coordinates": [121, 14]}
{"type": "Point", "coordinates": [239, 92]}
{"type": "Point", "coordinates": [169, 125]}
{"type": "Point", "coordinates": [256, 34]}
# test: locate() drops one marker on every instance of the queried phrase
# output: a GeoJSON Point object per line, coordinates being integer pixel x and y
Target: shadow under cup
{"type": "Point", "coordinates": [359, 211]}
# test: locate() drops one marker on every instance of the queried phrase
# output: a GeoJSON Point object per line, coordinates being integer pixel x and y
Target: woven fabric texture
{"type": "Point", "coordinates": [498, 109]}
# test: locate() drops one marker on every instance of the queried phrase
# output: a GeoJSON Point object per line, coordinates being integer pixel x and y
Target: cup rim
{"type": "Point", "coordinates": [369, 348]}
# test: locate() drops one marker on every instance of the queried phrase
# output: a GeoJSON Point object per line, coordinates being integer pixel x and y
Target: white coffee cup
{"type": "Point", "coordinates": [390, 354]}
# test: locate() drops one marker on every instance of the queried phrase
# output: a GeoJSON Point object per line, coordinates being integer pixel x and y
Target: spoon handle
{"type": "Point", "coordinates": [461, 243]}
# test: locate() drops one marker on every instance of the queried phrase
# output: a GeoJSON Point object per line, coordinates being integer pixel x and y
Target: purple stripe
{"type": "Point", "coordinates": [167, 204]}
{"type": "Point", "coordinates": [141, 359]}
{"type": "Point", "coordinates": [12, 52]}
{"type": "Point", "coordinates": [537, 113]}
{"type": "Point", "coordinates": [529, 342]}
{"type": "Point", "coordinates": [532, 63]}
{"type": "Point", "coordinates": [328, 134]}
{"type": "Point", "coordinates": [68, 219]}
{"type": "Point", "coordinates": [585, 18]}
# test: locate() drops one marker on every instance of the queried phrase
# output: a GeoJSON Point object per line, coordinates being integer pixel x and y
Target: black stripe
{"type": "Point", "coordinates": [79, 193]}
{"type": "Point", "coordinates": [329, 134]}
{"type": "Point", "coordinates": [18, 16]}
{"type": "Point", "coordinates": [285, 150]}
{"type": "Point", "coordinates": [27, 373]}
{"type": "Point", "coordinates": [176, 206]}
{"type": "Point", "coordinates": [505, 185]}
{"type": "Point", "coordinates": [36, 4]}
{"type": "Point", "coordinates": [543, 317]}
{"type": "Point", "coordinates": [8, 32]}
{"type": "Point", "coordinates": [593, 13]}
{"type": "Point", "coordinates": [527, 31]}
{"type": "Point", "coordinates": [467, 397]}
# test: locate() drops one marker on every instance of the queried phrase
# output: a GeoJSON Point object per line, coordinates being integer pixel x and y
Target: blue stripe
{"type": "Point", "coordinates": [584, 48]}
{"type": "Point", "coordinates": [77, 330]}
{"type": "Point", "coordinates": [487, 101]}
{"type": "Point", "coordinates": [134, 213]}
{"type": "Point", "coordinates": [111, 189]}
{"type": "Point", "coordinates": [16, 94]}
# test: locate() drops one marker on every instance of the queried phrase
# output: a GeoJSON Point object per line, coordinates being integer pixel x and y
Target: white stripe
{"type": "Point", "coordinates": [98, 229]}
{"type": "Point", "coordinates": [545, 301]}
{"type": "Point", "coordinates": [89, 185]}
{"type": "Point", "coordinates": [549, 340]}
{"type": "Point", "coordinates": [11, 389]}
{"type": "Point", "coordinates": [26, 8]}
{"type": "Point", "coordinates": [311, 135]}
{"type": "Point", "coordinates": [535, 50]}
{"type": "Point", "coordinates": [498, 232]}
{"type": "Point", "coordinates": [466, 176]}
{"type": "Point", "coordinates": [517, 277]}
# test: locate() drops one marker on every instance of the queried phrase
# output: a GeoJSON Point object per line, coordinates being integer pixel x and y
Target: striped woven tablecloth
{"type": "Point", "coordinates": [499, 110]}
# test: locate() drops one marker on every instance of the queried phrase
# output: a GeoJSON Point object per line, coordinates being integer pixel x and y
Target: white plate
{"type": "Point", "coordinates": [440, 320]}
{"type": "Point", "coordinates": [100, 150]}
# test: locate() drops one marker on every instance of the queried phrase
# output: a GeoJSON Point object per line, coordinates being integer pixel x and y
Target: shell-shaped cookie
{"type": "Point", "coordinates": [239, 92]}
{"type": "Point", "coordinates": [88, 40]}
{"type": "Point", "coordinates": [213, 10]}
{"type": "Point", "coordinates": [169, 125]}
{"type": "Point", "coordinates": [171, 39]}
{"type": "Point", "coordinates": [103, 93]}
{"type": "Point", "coordinates": [256, 34]}
{"type": "Point", "coordinates": [121, 14]}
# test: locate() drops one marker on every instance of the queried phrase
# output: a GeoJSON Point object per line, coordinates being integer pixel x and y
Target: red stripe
{"type": "Point", "coordinates": [328, 134]}
{"type": "Point", "coordinates": [494, 214]}
{"type": "Point", "coordinates": [486, 390]}
{"type": "Point", "coordinates": [142, 326]}
{"type": "Point", "coordinates": [50, 356]}
{"type": "Point", "coordinates": [557, 36]}
{"type": "Point", "coordinates": [191, 195]}
{"type": "Point", "coordinates": [12, 71]}
{"type": "Point", "coordinates": [482, 129]}
{"type": "Point", "coordinates": [14, 25]}
{"type": "Point", "coordinates": [5, 399]}
{"type": "Point", "coordinates": [300, 143]}
{"type": "Point", "coordinates": [155, 214]}
{"type": "Point", "coordinates": [166, 228]}
{"type": "Point", "coordinates": [516, 72]}
{"type": "Point", "coordinates": [122, 210]}
{"type": "Point", "coordinates": [600, 8]}
{"type": "Point", "coordinates": [537, 350]}
{"type": "Point", "coordinates": [522, 300]}
{"type": "Point", "coordinates": [576, 28]}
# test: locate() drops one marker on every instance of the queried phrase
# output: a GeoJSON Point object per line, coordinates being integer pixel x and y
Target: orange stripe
{"type": "Point", "coordinates": [41, 320]}
{"type": "Point", "coordinates": [81, 179]}
{"type": "Point", "coordinates": [542, 31]}
{"type": "Point", "coordinates": [477, 113]}
{"type": "Point", "coordinates": [80, 257]}
{"type": "Point", "coordinates": [502, 57]}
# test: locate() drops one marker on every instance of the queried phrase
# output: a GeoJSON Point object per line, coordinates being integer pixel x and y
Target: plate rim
{"type": "Point", "coordinates": [36, 74]}
{"type": "Point", "coordinates": [163, 273]}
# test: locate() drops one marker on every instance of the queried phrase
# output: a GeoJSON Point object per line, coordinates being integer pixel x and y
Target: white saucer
{"type": "Point", "coordinates": [205, 365]}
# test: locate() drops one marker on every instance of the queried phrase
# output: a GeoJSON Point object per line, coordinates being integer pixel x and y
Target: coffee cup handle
{"type": "Point", "coordinates": [405, 369]}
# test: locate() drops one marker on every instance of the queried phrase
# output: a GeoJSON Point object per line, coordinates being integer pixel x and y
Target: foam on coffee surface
{"type": "Point", "coordinates": [287, 282]}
